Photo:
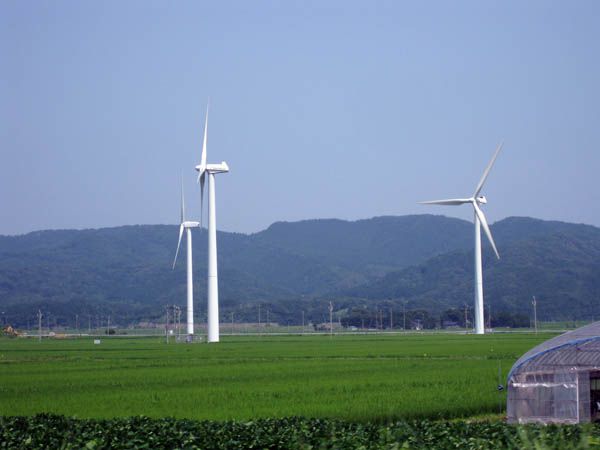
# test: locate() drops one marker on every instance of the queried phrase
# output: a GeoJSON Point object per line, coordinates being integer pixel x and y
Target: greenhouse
{"type": "Point", "coordinates": [558, 381]}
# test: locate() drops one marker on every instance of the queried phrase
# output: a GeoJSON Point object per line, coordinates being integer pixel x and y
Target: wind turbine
{"type": "Point", "coordinates": [480, 221]}
{"type": "Point", "coordinates": [205, 169]}
{"type": "Point", "coordinates": [187, 226]}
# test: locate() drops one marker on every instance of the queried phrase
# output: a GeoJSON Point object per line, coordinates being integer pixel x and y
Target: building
{"type": "Point", "coordinates": [558, 381]}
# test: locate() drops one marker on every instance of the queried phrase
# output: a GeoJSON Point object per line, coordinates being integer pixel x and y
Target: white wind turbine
{"type": "Point", "coordinates": [213, 278]}
{"type": "Point", "coordinates": [187, 226]}
{"type": "Point", "coordinates": [480, 221]}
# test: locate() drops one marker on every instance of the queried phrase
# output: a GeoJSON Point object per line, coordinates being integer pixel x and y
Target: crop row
{"type": "Point", "coordinates": [355, 378]}
{"type": "Point", "coordinates": [54, 431]}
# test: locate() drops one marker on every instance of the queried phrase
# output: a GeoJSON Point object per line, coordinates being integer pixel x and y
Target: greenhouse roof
{"type": "Point", "coordinates": [581, 337]}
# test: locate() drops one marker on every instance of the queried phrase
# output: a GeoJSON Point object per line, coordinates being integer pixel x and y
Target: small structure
{"type": "Point", "coordinates": [558, 381]}
{"type": "Point", "coordinates": [10, 331]}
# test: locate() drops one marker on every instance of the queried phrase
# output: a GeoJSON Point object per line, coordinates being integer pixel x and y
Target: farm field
{"type": "Point", "coordinates": [376, 378]}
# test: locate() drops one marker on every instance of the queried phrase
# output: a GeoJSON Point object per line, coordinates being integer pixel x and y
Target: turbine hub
{"type": "Point", "coordinates": [482, 200]}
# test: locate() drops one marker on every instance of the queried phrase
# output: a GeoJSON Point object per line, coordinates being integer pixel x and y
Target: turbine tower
{"type": "Point", "coordinates": [187, 226]}
{"type": "Point", "coordinates": [480, 221]}
{"type": "Point", "coordinates": [205, 169]}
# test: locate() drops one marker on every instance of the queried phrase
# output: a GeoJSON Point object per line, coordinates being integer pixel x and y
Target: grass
{"type": "Point", "coordinates": [361, 378]}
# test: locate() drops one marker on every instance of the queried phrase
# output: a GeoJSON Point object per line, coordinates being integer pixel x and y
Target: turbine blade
{"type": "Point", "coordinates": [487, 170]}
{"type": "Point", "coordinates": [203, 156]}
{"type": "Point", "coordinates": [486, 228]}
{"type": "Point", "coordinates": [451, 201]}
{"type": "Point", "coordinates": [178, 244]}
{"type": "Point", "coordinates": [202, 181]}
{"type": "Point", "coordinates": [182, 203]}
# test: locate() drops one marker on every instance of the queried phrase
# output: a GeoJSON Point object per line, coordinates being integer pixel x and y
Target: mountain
{"type": "Point", "coordinates": [558, 262]}
{"type": "Point", "coordinates": [370, 246]}
{"type": "Point", "coordinates": [292, 266]}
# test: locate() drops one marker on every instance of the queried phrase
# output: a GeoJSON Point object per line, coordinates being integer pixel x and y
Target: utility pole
{"type": "Point", "coordinates": [330, 319]}
{"type": "Point", "coordinates": [175, 324]}
{"type": "Point", "coordinates": [302, 321]}
{"type": "Point", "coordinates": [232, 323]}
{"type": "Point", "coordinates": [108, 325]}
{"type": "Point", "coordinates": [490, 316]}
{"type": "Point", "coordinates": [178, 312]}
{"type": "Point", "coordinates": [89, 324]}
{"type": "Point", "coordinates": [466, 326]}
{"type": "Point", "coordinates": [500, 386]}
{"type": "Point", "coordinates": [534, 303]}
{"type": "Point", "coordinates": [391, 319]}
{"type": "Point", "coordinates": [39, 325]}
{"type": "Point", "coordinates": [77, 323]}
{"type": "Point", "coordinates": [167, 324]}
{"type": "Point", "coordinates": [404, 312]}
{"type": "Point", "coordinates": [259, 317]}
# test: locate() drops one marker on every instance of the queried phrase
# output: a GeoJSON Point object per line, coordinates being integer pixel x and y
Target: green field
{"type": "Point", "coordinates": [359, 378]}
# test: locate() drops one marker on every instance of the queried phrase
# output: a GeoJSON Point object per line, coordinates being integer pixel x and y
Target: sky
{"type": "Point", "coordinates": [322, 109]}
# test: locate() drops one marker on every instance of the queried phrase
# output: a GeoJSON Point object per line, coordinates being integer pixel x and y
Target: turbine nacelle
{"type": "Point", "coordinates": [481, 200]}
{"type": "Point", "coordinates": [183, 225]}
{"type": "Point", "coordinates": [190, 224]}
{"type": "Point", "coordinates": [212, 168]}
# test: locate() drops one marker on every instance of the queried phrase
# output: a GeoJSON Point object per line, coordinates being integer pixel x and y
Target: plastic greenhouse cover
{"type": "Point", "coordinates": [572, 338]}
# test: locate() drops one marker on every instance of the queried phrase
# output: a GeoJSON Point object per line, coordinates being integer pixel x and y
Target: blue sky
{"type": "Point", "coordinates": [322, 109]}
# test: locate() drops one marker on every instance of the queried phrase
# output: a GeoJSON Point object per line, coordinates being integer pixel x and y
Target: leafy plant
{"type": "Point", "coordinates": [52, 431]}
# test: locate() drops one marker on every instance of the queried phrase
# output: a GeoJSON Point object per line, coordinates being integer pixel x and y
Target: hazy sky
{"type": "Point", "coordinates": [322, 109]}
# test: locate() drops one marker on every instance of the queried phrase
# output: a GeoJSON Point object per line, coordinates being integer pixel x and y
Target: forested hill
{"type": "Point", "coordinates": [558, 263]}
{"type": "Point", "coordinates": [369, 246]}
{"type": "Point", "coordinates": [424, 259]}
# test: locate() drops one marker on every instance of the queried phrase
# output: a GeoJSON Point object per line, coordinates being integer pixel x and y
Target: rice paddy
{"type": "Point", "coordinates": [352, 377]}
